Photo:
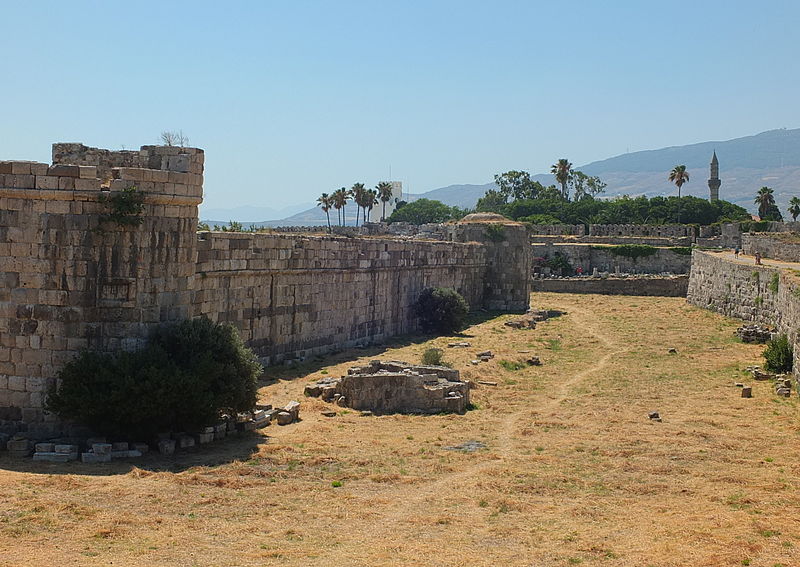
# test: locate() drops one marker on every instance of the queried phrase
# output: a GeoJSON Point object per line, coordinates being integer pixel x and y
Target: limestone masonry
{"type": "Point", "coordinates": [70, 282]}
{"type": "Point", "coordinates": [761, 294]}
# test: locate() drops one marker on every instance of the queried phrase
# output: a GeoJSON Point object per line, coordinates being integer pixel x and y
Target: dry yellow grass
{"type": "Point", "coordinates": [573, 474]}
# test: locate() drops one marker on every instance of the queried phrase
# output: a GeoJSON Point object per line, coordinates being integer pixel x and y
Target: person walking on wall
{"type": "Point", "coordinates": [758, 259]}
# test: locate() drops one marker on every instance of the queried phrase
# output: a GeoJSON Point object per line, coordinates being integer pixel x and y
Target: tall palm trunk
{"type": "Point", "coordinates": [383, 216]}
{"type": "Point", "coordinates": [328, 215]}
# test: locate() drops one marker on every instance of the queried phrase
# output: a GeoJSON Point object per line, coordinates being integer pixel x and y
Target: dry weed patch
{"type": "Point", "coordinates": [572, 473]}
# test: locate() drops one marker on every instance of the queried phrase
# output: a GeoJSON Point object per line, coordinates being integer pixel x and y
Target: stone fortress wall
{"type": "Point", "coordinates": [293, 296]}
{"type": "Point", "coordinates": [748, 292]}
{"type": "Point", "coordinates": [70, 283]}
{"type": "Point", "coordinates": [776, 245]}
{"type": "Point", "coordinates": [601, 257]}
{"type": "Point", "coordinates": [672, 286]}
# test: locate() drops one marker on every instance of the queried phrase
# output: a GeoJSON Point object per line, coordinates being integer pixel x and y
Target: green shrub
{"type": "Point", "coordinates": [434, 357]}
{"type": "Point", "coordinates": [682, 250]}
{"type": "Point", "coordinates": [496, 232]}
{"type": "Point", "coordinates": [187, 376]}
{"type": "Point", "coordinates": [778, 355]}
{"type": "Point", "coordinates": [559, 262]}
{"type": "Point", "coordinates": [441, 310]}
{"type": "Point", "coordinates": [125, 207]}
{"type": "Point", "coordinates": [774, 283]}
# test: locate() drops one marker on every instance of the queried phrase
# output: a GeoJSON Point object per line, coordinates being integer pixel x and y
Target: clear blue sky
{"type": "Point", "coordinates": [290, 99]}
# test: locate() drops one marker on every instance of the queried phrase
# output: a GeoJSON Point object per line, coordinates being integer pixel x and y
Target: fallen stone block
{"type": "Point", "coordinates": [462, 344]}
{"type": "Point", "coordinates": [203, 438]}
{"type": "Point", "coordinates": [487, 383]}
{"type": "Point", "coordinates": [65, 448]}
{"type": "Point", "coordinates": [130, 453]}
{"type": "Point", "coordinates": [53, 457]}
{"type": "Point", "coordinates": [284, 418]}
{"type": "Point", "coordinates": [95, 458]}
{"type": "Point", "coordinates": [166, 447]}
{"type": "Point", "coordinates": [293, 408]}
{"type": "Point", "coordinates": [220, 431]}
{"type": "Point", "coordinates": [18, 448]}
{"type": "Point", "coordinates": [485, 354]}
{"type": "Point", "coordinates": [102, 448]}
{"type": "Point", "coordinates": [244, 417]}
{"type": "Point", "coordinates": [248, 426]}
{"type": "Point", "coordinates": [747, 392]}
{"type": "Point", "coordinates": [119, 446]}
{"type": "Point", "coordinates": [141, 447]}
{"type": "Point", "coordinates": [534, 361]}
{"type": "Point", "coordinates": [654, 416]}
{"type": "Point", "coordinates": [329, 413]}
{"type": "Point", "coordinates": [185, 441]}
{"type": "Point", "coordinates": [44, 448]}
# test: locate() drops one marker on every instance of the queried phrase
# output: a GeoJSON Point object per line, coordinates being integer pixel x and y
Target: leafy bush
{"type": "Point", "coordinates": [778, 355]}
{"type": "Point", "coordinates": [124, 207]}
{"type": "Point", "coordinates": [434, 357]}
{"type": "Point", "coordinates": [682, 250]}
{"type": "Point", "coordinates": [187, 376]}
{"type": "Point", "coordinates": [559, 262]}
{"type": "Point", "coordinates": [442, 310]}
{"type": "Point", "coordinates": [496, 232]}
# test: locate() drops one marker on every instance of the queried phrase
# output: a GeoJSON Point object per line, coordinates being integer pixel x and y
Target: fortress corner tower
{"type": "Point", "coordinates": [713, 181]}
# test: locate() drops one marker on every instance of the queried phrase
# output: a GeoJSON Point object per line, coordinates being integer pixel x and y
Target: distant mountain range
{"type": "Point", "coordinates": [771, 158]}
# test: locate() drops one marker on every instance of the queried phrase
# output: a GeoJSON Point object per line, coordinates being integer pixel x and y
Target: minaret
{"type": "Point", "coordinates": [714, 182]}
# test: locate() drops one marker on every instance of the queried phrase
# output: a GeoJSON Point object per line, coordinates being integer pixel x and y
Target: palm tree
{"type": "Point", "coordinates": [563, 172]}
{"type": "Point", "coordinates": [679, 176]}
{"type": "Point", "coordinates": [370, 200]}
{"type": "Point", "coordinates": [324, 201]}
{"type": "Point", "coordinates": [794, 207]}
{"type": "Point", "coordinates": [339, 201]}
{"type": "Point", "coordinates": [385, 195]}
{"type": "Point", "coordinates": [358, 192]}
{"type": "Point", "coordinates": [765, 201]}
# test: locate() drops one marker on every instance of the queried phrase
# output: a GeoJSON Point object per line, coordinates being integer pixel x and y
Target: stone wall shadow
{"type": "Point", "coordinates": [299, 369]}
{"type": "Point", "coordinates": [241, 447]}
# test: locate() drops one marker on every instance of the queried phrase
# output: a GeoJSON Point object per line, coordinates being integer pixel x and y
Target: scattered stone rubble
{"type": "Point", "coordinates": [99, 450]}
{"type": "Point", "coordinates": [783, 382]}
{"type": "Point", "coordinates": [754, 334]}
{"type": "Point", "coordinates": [395, 387]}
{"type": "Point", "coordinates": [759, 374]}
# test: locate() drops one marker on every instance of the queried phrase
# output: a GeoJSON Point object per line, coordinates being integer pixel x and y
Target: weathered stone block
{"type": "Point", "coordinates": [95, 458]}
{"type": "Point", "coordinates": [166, 447]}
{"type": "Point", "coordinates": [54, 457]}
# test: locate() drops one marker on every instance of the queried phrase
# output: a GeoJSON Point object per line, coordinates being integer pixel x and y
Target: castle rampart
{"type": "Point", "coordinates": [71, 281]}
{"type": "Point", "coordinates": [761, 294]}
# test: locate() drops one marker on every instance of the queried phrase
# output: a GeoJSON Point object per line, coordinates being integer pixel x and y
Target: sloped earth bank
{"type": "Point", "coordinates": [573, 472]}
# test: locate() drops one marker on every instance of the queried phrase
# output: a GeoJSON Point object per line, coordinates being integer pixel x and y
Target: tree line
{"type": "Point", "coordinates": [364, 199]}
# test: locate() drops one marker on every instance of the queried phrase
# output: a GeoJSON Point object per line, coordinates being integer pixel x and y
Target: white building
{"type": "Point", "coordinates": [397, 196]}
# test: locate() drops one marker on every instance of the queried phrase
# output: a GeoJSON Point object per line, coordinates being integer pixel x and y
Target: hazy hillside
{"type": "Point", "coordinates": [771, 158]}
